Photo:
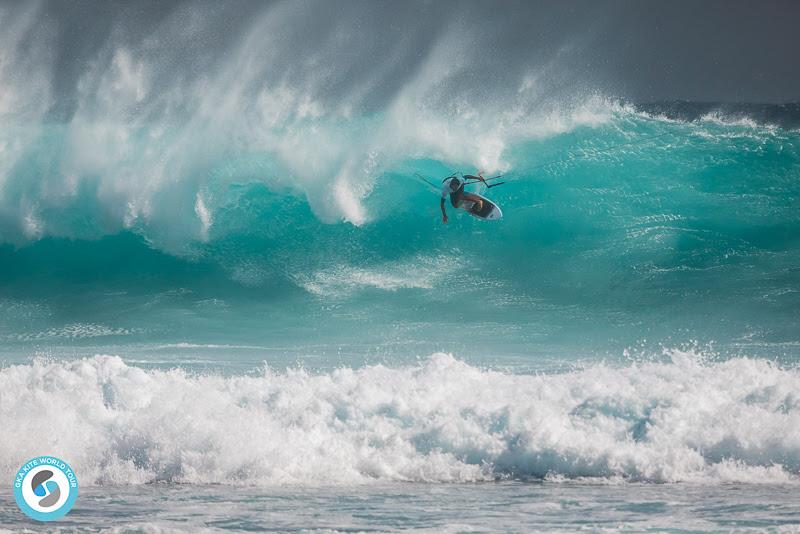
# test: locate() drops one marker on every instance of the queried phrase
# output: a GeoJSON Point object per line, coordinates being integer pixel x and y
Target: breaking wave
{"type": "Point", "coordinates": [676, 418]}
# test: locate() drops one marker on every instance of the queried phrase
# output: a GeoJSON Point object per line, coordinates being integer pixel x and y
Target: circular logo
{"type": "Point", "coordinates": [45, 488]}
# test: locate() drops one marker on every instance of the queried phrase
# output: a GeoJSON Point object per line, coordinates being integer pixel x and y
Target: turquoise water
{"type": "Point", "coordinates": [266, 334]}
{"type": "Point", "coordinates": [623, 231]}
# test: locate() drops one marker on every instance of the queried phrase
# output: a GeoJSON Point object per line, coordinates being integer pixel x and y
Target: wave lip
{"type": "Point", "coordinates": [769, 116]}
{"type": "Point", "coordinates": [440, 421]}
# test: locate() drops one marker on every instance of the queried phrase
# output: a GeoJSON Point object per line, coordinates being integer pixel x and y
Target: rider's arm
{"type": "Point", "coordinates": [444, 212]}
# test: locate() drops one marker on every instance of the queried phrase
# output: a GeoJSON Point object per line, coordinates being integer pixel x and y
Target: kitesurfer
{"type": "Point", "coordinates": [454, 187]}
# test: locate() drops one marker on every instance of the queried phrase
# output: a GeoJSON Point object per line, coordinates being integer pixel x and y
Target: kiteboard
{"type": "Point", "coordinates": [488, 212]}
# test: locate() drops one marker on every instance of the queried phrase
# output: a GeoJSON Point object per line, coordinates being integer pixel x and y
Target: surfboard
{"type": "Point", "coordinates": [489, 212]}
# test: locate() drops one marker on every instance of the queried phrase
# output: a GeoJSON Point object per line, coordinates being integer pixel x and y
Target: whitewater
{"type": "Point", "coordinates": [680, 420]}
{"type": "Point", "coordinates": [229, 301]}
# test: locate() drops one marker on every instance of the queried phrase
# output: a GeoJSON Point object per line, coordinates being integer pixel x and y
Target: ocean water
{"type": "Point", "coordinates": [231, 304]}
{"type": "Point", "coordinates": [620, 351]}
{"type": "Point", "coordinates": [624, 233]}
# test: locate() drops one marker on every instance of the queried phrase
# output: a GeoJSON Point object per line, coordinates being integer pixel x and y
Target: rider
{"type": "Point", "coordinates": [454, 187]}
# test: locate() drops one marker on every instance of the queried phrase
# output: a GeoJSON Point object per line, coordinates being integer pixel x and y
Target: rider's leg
{"type": "Point", "coordinates": [474, 198]}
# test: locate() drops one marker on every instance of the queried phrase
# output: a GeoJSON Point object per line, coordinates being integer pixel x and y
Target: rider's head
{"type": "Point", "coordinates": [455, 183]}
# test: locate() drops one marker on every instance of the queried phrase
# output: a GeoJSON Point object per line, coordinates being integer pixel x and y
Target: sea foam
{"type": "Point", "coordinates": [680, 420]}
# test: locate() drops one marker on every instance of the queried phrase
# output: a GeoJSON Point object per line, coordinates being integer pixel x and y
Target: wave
{"type": "Point", "coordinates": [141, 145]}
{"type": "Point", "coordinates": [94, 177]}
{"type": "Point", "coordinates": [148, 142]}
{"type": "Point", "coordinates": [268, 170]}
{"type": "Point", "coordinates": [596, 164]}
{"type": "Point", "coordinates": [628, 227]}
{"type": "Point", "coordinates": [673, 419]}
